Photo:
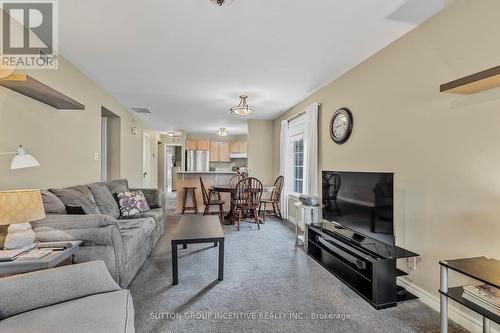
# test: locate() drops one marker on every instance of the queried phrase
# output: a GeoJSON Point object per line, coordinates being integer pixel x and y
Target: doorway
{"type": "Point", "coordinates": [172, 162]}
{"type": "Point", "coordinates": [110, 145]}
{"type": "Point", "coordinates": [146, 160]}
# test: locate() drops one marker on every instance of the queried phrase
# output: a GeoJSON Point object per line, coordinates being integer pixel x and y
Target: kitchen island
{"type": "Point", "coordinates": [210, 178]}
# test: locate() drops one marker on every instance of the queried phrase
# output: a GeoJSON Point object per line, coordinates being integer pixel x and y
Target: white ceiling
{"type": "Point", "coordinates": [188, 60]}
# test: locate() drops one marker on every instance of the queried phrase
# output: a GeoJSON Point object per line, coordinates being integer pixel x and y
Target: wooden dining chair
{"type": "Point", "coordinates": [235, 179]}
{"type": "Point", "coordinates": [331, 187]}
{"type": "Point", "coordinates": [248, 193]}
{"type": "Point", "coordinates": [208, 201]}
{"type": "Point", "coordinates": [274, 200]}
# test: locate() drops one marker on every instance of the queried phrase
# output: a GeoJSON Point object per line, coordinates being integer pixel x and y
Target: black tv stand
{"type": "Point", "coordinates": [366, 265]}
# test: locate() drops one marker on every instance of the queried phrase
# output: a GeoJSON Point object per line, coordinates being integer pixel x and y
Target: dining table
{"type": "Point", "coordinates": [231, 189]}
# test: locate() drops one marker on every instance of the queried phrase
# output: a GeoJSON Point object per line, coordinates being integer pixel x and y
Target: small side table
{"type": "Point", "coordinates": [49, 261]}
{"type": "Point", "coordinates": [482, 269]}
{"type": "Point", "coordinates": [309, 215]}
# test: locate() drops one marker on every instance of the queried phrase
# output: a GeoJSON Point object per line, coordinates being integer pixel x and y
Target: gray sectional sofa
{"type": "Point", "coordinates": [123, 243]}
{"type": "Point", "coordinates": [76, 298]}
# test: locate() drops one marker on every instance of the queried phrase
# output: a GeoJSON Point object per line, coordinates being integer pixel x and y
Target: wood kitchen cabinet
{"type": "Point", "coordinates": [224, 152]}
{"type": "Point", "coordinates": [243, 147]}
{"type": "Point", "coordinates": [190, 144]}
{"type": "Point", "coordinates": [214, 151]}
{"type": "Point", "coordinates": [233, 148]}
{"type": "Point", "coordinates": [219, 151]}
{"type": "Point", "coordinates": [203, 144]}
{"type": "Point", "coordinates": [238, 147]}
{"type": "Point", "coordinates": [197, 144]}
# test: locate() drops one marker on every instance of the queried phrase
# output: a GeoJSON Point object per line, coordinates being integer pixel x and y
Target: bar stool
{"type": "Point", "coordinates": [191, 189]}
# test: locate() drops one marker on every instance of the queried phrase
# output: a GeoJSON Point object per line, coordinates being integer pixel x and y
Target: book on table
{"type": "Point", "coordinates": [483, 295]}
{"type": "Point", "coordinates": [35, 254]}
{"type": "Point", "coordinates": [9, 255]}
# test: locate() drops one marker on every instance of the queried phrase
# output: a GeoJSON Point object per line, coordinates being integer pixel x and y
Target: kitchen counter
{"type": "Point", "coordinates": [207, 172]}
{"type": "Point", "coordinates": [192, 179]}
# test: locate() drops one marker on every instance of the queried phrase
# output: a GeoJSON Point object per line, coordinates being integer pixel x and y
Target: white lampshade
{"type": "Point", "coordinates": [23, 160]}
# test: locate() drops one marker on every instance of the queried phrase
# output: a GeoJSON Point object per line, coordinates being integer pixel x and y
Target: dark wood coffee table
{"type": "Point", "coordinates": [197, 229]}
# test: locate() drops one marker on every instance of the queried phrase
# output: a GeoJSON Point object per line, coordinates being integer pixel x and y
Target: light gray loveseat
{"type": "Point", "coordinates": [122, 243]}
{"type": "Point", "coordinates": [77, 298]}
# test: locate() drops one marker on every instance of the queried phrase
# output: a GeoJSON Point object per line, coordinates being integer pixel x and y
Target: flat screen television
{"type": "Point", "coordinates": [360, 201]}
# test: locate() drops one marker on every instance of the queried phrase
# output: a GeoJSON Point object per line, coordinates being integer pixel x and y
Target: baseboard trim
{"type": "Point", "coordinates": [463, 318]}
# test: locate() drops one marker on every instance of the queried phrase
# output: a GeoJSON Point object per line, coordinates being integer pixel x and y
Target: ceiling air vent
{"type": "Point", "coordinates": [141, 110]}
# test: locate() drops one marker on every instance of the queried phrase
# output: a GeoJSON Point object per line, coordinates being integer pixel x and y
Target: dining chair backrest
{"type": "Point", "coordinates": [278, 187]}
{"type": "Point", "coordinates": [204, 193]}
{"type": "Point", "coordinates": [234, 179]}
{"type": "Point", "coordinates": [248, 191]}
{"type": "Point", "coordinates": [331, 186]}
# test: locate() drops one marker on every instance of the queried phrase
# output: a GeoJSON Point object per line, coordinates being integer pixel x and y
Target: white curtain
{"type": "Point", "coordinates": [284, 167]}
{"type": "Point", "coordinates": [311, 150]}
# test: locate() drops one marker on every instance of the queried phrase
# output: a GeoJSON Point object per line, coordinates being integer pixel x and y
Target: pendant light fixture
{"type": "Point", "coordinates": [221, 2]}
{"type": "Point", "coordinates": [222, 131]}
{"type": "Point", "coordinates": [242, 109]}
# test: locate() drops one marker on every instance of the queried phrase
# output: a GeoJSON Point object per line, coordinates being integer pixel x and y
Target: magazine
{"type": "Point", "coordinates": [487, 297]}
{"type": "Point", "coordinates": [482, 304]}
{"type": "Point", "coordinates": [34, 254]}
{"type": "Point", "coordinates": [485, 292]}
{"type": "Point", "coordinates": [9, 255]}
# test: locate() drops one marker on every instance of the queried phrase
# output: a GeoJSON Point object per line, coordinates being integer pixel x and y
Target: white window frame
{"type": "Point", "coordinates": [296, 129]}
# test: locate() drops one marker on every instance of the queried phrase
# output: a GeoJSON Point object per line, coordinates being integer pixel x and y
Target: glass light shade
{"type": "Point", "coordinates": [23, 160]}
{"type": "Point", "coordinates": [20, 206]}
{"type": "Point", "coordinates": [242, 109]}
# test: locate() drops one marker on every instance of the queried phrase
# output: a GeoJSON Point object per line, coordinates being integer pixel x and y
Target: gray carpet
{"type": "Point", "coordinates": [265, 275]}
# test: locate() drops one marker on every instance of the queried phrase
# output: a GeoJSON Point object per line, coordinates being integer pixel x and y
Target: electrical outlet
{"type": "Point", "coordinates": [96, 156]}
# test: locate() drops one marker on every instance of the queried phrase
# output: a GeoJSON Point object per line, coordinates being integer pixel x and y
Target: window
{"type": "Point", "coordinates": [298, 165]}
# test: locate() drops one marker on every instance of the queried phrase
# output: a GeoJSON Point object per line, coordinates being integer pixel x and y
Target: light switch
{"type": "Point", "coordinates": [96, 156]}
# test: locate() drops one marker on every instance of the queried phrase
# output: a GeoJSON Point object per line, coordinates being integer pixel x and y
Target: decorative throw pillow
{"type": "Point", "coordinates": [132, 202]}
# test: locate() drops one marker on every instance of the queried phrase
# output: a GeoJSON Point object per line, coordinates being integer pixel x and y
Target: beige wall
{"type": "Point", "coordinates": [444, 148]}
{"type": "Point", "coordinates": [260, 150]}
{"type": "Point", "coordinates": [64, 142]}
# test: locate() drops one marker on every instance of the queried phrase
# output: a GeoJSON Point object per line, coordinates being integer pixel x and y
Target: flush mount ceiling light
{"type": "Point", "coordinates": [173, 133]}
{"type": "Point", "coordinates": [242, 109]}
{"type": "Point", "coordinates": [221, 2]}
{"type": "Point", "coordinates": [222, 132]}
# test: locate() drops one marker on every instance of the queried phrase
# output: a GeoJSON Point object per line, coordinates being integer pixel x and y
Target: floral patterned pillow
{"type": "Point", "coordinates": [132, 202]}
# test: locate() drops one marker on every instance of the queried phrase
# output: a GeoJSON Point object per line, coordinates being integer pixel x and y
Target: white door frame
{"type": "Point", "coordinates": [144, 166]}
{"type": "Point", "coordinates": [104, 148]}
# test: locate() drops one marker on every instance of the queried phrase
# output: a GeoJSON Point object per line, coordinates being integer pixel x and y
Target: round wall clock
{"type": "Point", "coordinates": [341, 125]}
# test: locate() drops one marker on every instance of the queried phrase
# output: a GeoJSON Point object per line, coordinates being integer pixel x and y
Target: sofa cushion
{"type": "Point", "coordinates": [154, 196]}
{"type": "Point", "coordinates": [25, 292]}
{"type": "Point", "coordinates": [105, 200]}
{"type": "Point", "coordinates": [79, 195]}
{"type": "Point", "coordinates": [156, 213]}
{"type": "Point", "coordinates": [136, 235]}
{"type": "Point", "coordinates": [107, 313]}
{"type": "Point", "coordinates": [52, 204]}
{"type": "Point", "coordinates": [117, 185]}
{"type": "Point", "coordinates": [132, 202]}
